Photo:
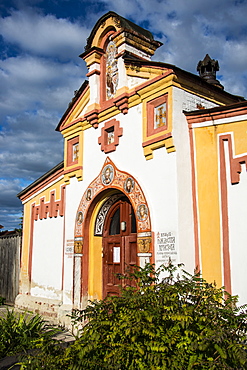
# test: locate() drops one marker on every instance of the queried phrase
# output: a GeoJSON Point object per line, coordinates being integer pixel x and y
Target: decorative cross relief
{"type": "Point", "coordinates": [160, 116]}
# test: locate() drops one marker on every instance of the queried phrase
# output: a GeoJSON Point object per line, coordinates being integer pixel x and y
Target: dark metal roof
{"type": "Point", "coordinates": [41, 178]}
{"type": "Point", "coordinates": [180, 72]}
{"type": "Point", "coordinates": [221, 108]}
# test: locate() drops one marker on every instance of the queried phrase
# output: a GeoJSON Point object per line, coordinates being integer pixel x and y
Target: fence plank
{"type": "Point", "coordinates": [9, 266]}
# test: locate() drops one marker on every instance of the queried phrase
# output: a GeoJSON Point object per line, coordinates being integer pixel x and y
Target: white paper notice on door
{"type": "Point", "coordinates": [116, 254]}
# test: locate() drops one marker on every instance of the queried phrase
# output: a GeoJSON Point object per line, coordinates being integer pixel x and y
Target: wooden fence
{"type": "Point", "coordinates": [10, 246]}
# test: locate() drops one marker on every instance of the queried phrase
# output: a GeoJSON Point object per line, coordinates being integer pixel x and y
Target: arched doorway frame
{"type": "Point", "coordinates": [107, 184]}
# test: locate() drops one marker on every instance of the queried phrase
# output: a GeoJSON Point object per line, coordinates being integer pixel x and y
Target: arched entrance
{"type": "Point", "coordinates": [119, 245]}
{"type": "Point", "coordinates": [112, 224]}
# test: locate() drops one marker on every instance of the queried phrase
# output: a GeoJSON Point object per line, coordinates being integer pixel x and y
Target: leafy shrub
{"type": "Point", "coordinates": [177, 323]}
{"type": "Point", "coordinates": [20, 332]}
{"type": "Point", "coordinates": [51, 356]}
{"type": "Point", "coordinates": [2, 300]}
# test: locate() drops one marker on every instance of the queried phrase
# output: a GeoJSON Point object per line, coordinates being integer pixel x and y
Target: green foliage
{"type": "Point", "coordinates": [51, 356]}
{"type": "Point", "coordinates": [20, 229]}
{"type": "Point", "coordinates": [20, 332]}
{"type": "Point", "coordinates": [174, 323]}
{"type": "Point", "coordinates": [2, 300]}
{"type": "Point", "coordinates": [178, 323]}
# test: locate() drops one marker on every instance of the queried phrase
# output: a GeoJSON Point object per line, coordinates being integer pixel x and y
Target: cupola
{"type": "Point", "coordinates": [207, 69]}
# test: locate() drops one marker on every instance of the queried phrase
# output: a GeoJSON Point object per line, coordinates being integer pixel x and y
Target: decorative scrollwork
{"type": "Point", "coordinates": [99, 224]}
{"type": "Point", "coordinates": [144, 245]}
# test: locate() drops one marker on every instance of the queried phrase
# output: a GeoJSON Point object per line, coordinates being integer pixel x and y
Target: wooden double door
{"type": "Point", "coordinates": [119, 245]}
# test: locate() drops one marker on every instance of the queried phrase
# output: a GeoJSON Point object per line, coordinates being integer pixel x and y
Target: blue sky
{"type": "Point", "coordinates": [40, 41]}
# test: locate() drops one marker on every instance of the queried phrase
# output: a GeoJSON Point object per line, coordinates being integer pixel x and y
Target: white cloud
{"type": "Point", "coordinates": [40, 68]}
{"type": "Point", "coordinates": [43, 35]}
{"type": "Point", "coordinates": [29, 145]}
{"type": "Point", "coordinates": [8, 188]}
{"type": "Point", "coordinates": [31, 83]}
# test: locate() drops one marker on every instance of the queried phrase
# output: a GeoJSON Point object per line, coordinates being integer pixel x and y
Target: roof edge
{"type": "Point", "coordinates": [121, 22]}
{"type": "Point", "coordinates": [58, 167]}
{"type": "Point", "coordinates": [76, 96]}
{"type": "Point", "coordinates": [177, 70]}
{"type": "Point", "coordinates": [201, 112]}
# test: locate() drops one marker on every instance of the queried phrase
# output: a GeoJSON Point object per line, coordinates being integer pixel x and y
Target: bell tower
{"type": "Point", "coordinates": [112, 39]}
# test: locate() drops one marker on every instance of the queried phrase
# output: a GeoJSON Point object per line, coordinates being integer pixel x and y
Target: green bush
{"type": "Point", "coordinates": [2, 300]}
{"type": "Point", "coordinates": [52, 356]}
{"type": "Point", "coordinates": [21, 332]}
{"type": "Point", "coordinates": [175, 323]}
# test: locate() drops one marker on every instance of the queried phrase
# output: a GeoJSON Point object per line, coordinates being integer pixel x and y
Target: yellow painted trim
{"type": "Point", "coordinates": [80, 106]}
{"type": "Point", "coordinates": [121, 91]}
{"type": "Point", "coordinates": [134, 100]}
{"type": "Point", "coordinates": [65, 153]}
{"type": "Point", "coordinates": [91, 107]}
{"type": "Point", "coordinates": [102, 30]}
{"type": "Point", "coordinates": [208, 192]}
{"type": "Point", "coordinates": [76, 112]}
{"type": "Point", "coordinates": [108, 113]}
{"type": "Point", "coordinates": [93, 58]}
{"type": "Point", "coordinates": [144, 72]}
{"type": "Point", "coordinates": [158, 86]}
{"type": "Point", "coordinates": [73, 131]}
{"type": "Point", "coordinates": [136, 42]}
{"type": "Point", "coordinates": [26, 237]}
{"type": "Point", "coordinates": [78, 173]}
{"type": "Point", "coordinates": [76, 127]}
{"type": "Point", "coordinates": [168, 142]}
{"type": "Point", "coordinates": [207, 185]}
{"type": "Point", "coordinates": [95, 286]}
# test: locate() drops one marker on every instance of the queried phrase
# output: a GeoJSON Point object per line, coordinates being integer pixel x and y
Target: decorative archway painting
{"type": "Point", "coordinates": [110, 177]}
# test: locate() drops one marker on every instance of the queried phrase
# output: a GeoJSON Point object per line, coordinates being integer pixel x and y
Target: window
{"type": "Point", "coordinates": [157, 115]}
{"type": "Point", "coordinates": [110, 134]}
{"type": "Point", "coordinates": [73, 151]}
{"type": "Point", "coordinates": [115, 223]}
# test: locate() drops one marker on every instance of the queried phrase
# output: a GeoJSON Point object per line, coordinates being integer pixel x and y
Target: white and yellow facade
{"type": "Point", "coordinates": [133, 136]}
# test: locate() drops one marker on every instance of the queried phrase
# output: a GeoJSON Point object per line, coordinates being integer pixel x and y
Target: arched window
{"type": "Point", "coordinates": [115, 223]}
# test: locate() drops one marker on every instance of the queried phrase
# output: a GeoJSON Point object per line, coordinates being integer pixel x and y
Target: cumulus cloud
{"type": "Point", "coordinates": [30, 146]}
{"type": "Point", "coordinates": [191, 29]}
{"type": "Point", "coordinates": [39, 71]}
{"type": "Point", "coordinates": [43, 35]}
{"type": "Point", "coordinates": [29, 82]}
{"type": "Point", "coordinates": [40, 68]}
{"type": "Point", "coordinates": [10, 210]}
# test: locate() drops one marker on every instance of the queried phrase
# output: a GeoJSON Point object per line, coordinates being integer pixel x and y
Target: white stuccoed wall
{"type": "Point", "coordinates": [165, 181]}
{"type": "Point", "coordinates": [47, 258]}
{"type": "Point", "coordinates": [237, 216]}
{"type": "Point", "coordinates": [184, 183]}
{"type": "Point", "coordinates": [157, 177]}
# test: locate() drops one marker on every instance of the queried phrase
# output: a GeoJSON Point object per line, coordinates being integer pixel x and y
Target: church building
{"type": "Point", "coordinates": [154, 169]}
